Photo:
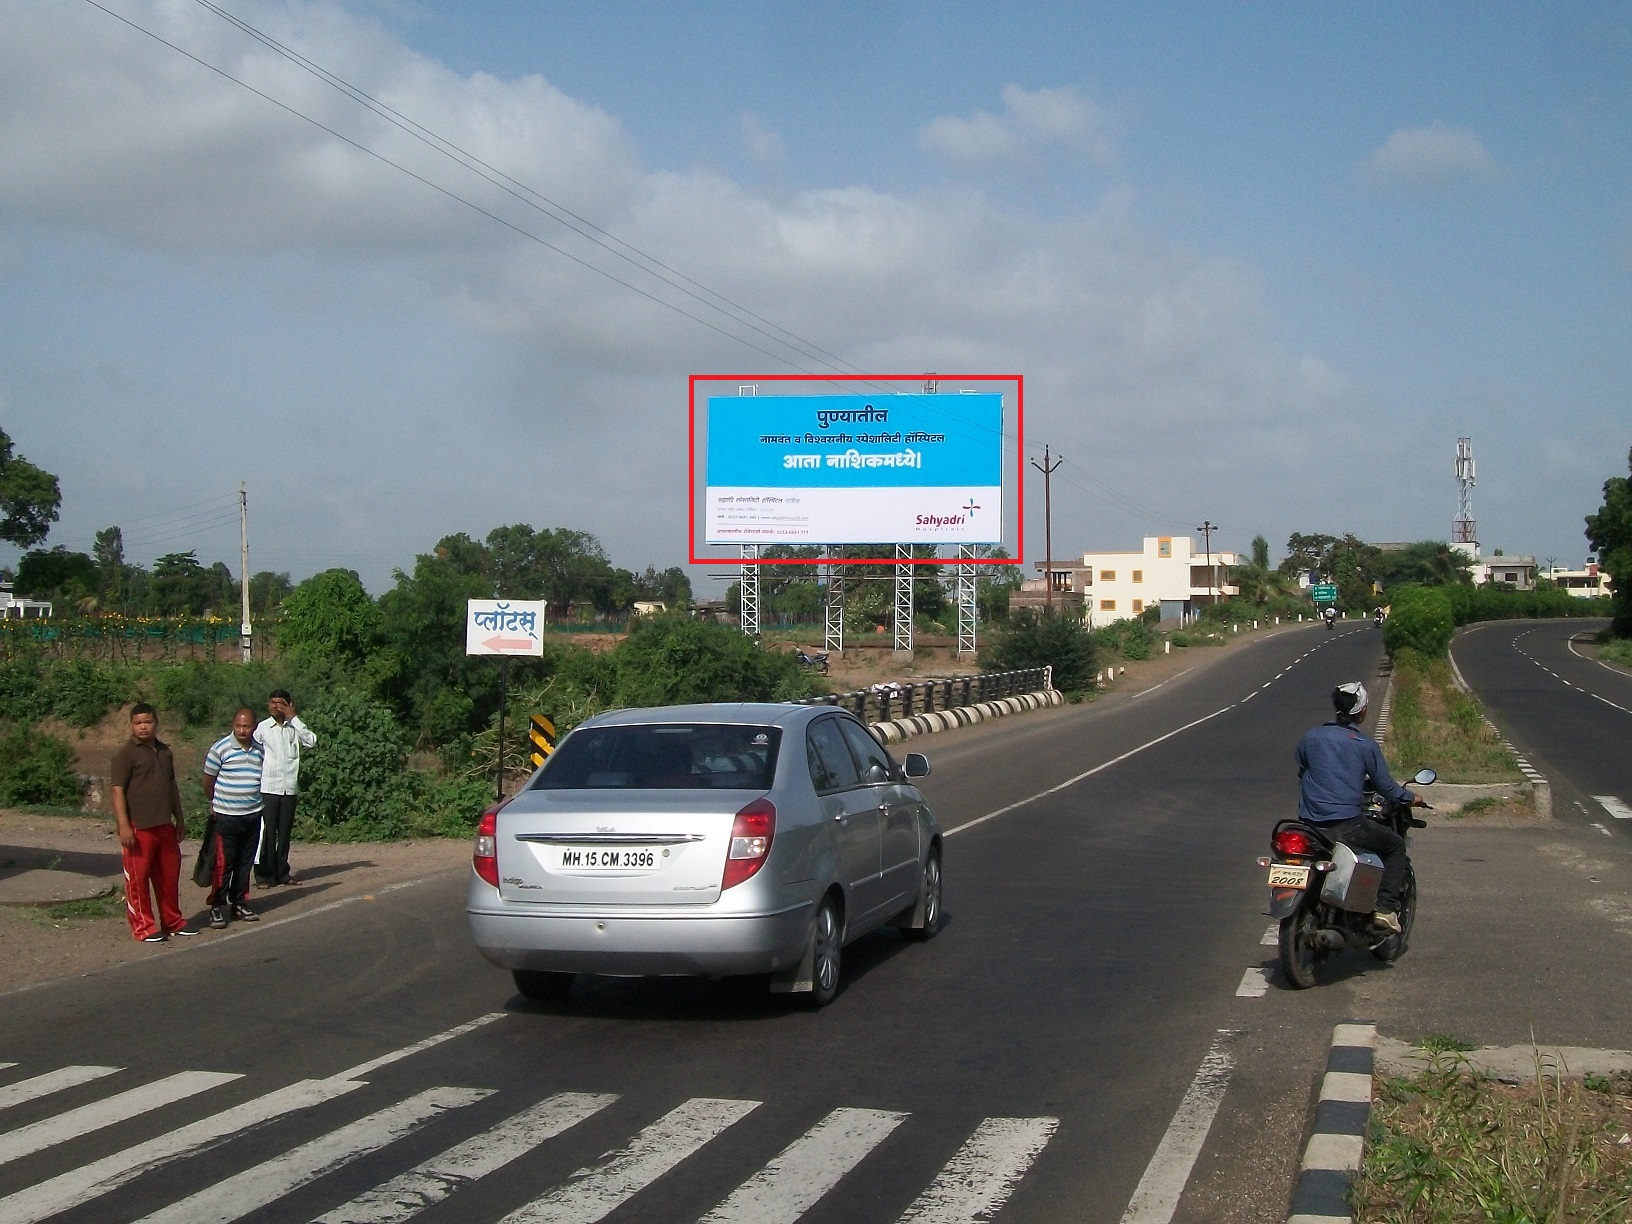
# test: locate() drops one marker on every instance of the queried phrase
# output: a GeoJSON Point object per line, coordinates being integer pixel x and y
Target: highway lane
{"type": "Point", "coordinates": [1571, 716]}
{"type": "Point", "coordinates": [1099, 931]}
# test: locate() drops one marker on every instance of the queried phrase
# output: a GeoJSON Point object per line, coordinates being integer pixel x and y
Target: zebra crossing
{"type": "Point", "coordinates": [974, 1184]}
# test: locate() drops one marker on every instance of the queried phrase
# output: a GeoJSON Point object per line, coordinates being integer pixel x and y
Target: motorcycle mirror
{"type": "Point", "coordinates": [917, 765]}
{"type": "Point", "coordinates": [1425, 777]}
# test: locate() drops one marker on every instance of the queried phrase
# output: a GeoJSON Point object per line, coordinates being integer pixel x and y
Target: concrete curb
{"type": "Point", "coordinates": [1332, 1156]}
{"type": "Point", "coordinates": [1541, 790]}
{"type": "Point", "coordinates": [896, 730]}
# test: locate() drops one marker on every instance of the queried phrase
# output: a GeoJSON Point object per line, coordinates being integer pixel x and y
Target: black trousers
{"type": "Point", "coordinates": [277, 821]}
{"type": "Point", "coordinates": [235, 840]}
{"type": "Point", "coordinates": [1364, 833]}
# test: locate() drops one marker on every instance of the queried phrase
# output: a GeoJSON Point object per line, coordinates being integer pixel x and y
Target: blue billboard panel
{"type": "Point", "coordinates": [853, 469]}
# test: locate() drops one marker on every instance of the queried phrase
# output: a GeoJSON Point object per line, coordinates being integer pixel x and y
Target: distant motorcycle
{"type": "Point", "coordinates": [816, 661]}
{"type": "Point", "coordinates": [1323, 893]}
{"type": "Point", "coordinates": [1377, 618]}
{"type": "Point", "coordinates": [1330, 617]}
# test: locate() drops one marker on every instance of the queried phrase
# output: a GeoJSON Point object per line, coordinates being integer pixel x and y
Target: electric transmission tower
{"type": "Point", "coordinates": [1463, 529]}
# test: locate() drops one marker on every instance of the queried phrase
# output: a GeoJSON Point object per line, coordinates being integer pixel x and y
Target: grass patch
{"type": "Point", "coordinates": [88, 909]}
{"type": "Point", "coordinates": [1446, 1043]}
{"type": "Point", "coordinates": [1616, 650]}
{"type": "Point", "coordinates": [1448, 1145]}
{"type": "Point", "coordinates": [1435, 723]}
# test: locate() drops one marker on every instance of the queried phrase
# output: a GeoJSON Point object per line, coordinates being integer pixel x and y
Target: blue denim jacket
{"type": "Point", "coordinates": [1334, 765]}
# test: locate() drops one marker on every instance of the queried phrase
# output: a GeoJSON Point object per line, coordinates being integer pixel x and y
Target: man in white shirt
{"type": "Point", "coordinates": [281, 737]}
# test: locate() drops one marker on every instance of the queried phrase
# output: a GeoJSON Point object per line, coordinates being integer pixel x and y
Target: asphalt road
{"type": "Point", "coordinates": [1100, 986]}
{"type": "Point", "coordinates": [1571, 715]}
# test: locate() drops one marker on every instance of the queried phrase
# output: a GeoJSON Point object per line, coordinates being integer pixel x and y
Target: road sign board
{"type": "Point", "coordinates": [1323, 592]}
{"type": "Point", "coordinates": [504, 627]}
{"type": "Point", "coordinates": [542, 733]}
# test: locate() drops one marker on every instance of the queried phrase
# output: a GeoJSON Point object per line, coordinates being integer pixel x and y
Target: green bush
{"type": "Point", "coordinates": [1132, 639]}
{"type": "Point", "coordinates": [675, 660]}
{"type": "Point", "coordinates": [1419, 619]}
{"type": "Point", "coordinates": [83, 691]}
{"type": "Point", "coordinates": [1044, 639]}
{"type": "Point", "coordinates": [354, 784]}
{"type": "Point", "coordinates": [1469, 604]}
{"type": "Point", "coordinates": [25, 690]}
{"type": "Point", "coordinates": [37, 768]}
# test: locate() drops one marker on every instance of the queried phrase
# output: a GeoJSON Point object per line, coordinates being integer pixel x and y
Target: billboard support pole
{"type": "Point", "coordinates": [967, 608]}
{"type": "Point", "coordinates": [833, 613]}
{"type": "Point", "coordinates": [750, 591]}
{"type": "Point", "coordinates": [903, 601]}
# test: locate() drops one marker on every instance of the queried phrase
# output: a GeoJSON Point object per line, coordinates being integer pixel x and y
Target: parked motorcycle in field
{"type": "Point", "coordinates": [1324, 893]}
{"type": "Point", "coordinates": [815, 660]}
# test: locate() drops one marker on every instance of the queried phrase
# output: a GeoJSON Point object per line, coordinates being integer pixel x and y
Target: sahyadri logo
{"type": "Point", "coordinates": [950, 520]}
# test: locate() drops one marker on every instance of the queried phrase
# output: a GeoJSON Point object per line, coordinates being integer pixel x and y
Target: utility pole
{"type": "Point", "coordinates": [246, 640]}
{"type": "Point", "coordinates": [1207, 528]}
{"type": "Point", "coordinates": [1047, 469]}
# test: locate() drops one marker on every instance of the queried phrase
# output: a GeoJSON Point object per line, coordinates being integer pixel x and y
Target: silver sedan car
{"type": "Point", "coordinates": [706, 839]}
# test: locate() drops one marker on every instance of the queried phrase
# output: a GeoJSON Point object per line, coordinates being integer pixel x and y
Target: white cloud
{"type": "Point", "coordinates": [1031, 121]}
{"type": "Point", "coordinates": [764, 145]}
{"type": "Point", "coordinates": [1429, 160]}
{"type": "Point", "coordinates": [1126, 341]}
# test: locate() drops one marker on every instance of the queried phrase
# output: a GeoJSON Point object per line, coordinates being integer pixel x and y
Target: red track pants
{"type": "Point", "coordinates": [155, 863]}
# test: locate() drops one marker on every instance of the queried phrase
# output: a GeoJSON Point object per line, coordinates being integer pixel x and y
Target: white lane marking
{"type": "Point", "coordinates": [26, 1140]}
{"type": "Point", "coordinates": [807, 1168]}
{"type": "Point", "coordinates": [1614, 807]}
{"type": "Point", "coordinates": [51, 1081]}
{"type": "Point", "coordinates": [459, 1030]}
{"type": "Point", "coordinates": [1254, 984]}
{"type": "Point", "coordinates": [1157, 1196]}
{"type": "Point", "coordinates": [1608, 702]}
{"type": "Point", "coordinates": [6, 1065]}
{"type": "Point", "coordinates": [1159, 683]}
{"type": "Point", "coordinates": [1272, 937]}
{"type": "Point", "coordinates": [269, 1181]}
{"type": "Point", "coordinates": [1069, 782]}
{"type": "Point", "coordinates": [591, 1194]}
{"type": "Point", "coordinates": [1601, 829]}
{"type": "Point", "coordinates": [87, 1182]}
{"type": "Point", "coordinates": [979, 1178]}
{"type": "Point", "coordinates": [407, 1195]}
{"type": "Point", "coordinates": [1570, 642]}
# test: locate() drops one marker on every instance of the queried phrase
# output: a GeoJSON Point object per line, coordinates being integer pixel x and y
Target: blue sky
{"type": "Point", "coordinates": [1259, 263]}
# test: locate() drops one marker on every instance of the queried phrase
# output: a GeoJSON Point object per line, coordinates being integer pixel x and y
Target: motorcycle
{"type": "Point", "coordinates": [1323, 893]}
{"type": "Point", "coordinates": [815, 661]}
{"type": "Point", "coordinates": [1377, 618]}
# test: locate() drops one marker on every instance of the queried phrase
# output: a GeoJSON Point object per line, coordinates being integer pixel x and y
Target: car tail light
{"type": "Point", "coordinates": [1293, 843]}
{"type": "Point", "coordinates": [485, 856]}
{"type": "Point", "coordinates": [751, 835]}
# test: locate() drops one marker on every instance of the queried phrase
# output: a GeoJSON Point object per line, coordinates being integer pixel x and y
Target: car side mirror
{"type": "Point", "coordinates": [1425, 777]}
{"type": "Point", "coordinates": [917, 765]}
{"type": "Point", "coordinates": [876, 774]}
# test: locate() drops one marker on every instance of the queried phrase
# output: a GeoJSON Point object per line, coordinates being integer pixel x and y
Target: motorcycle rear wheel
{"type": "Point", "coordinates": [1392, 948]}
{"type": "Point", "coordinates": [1297, 947]}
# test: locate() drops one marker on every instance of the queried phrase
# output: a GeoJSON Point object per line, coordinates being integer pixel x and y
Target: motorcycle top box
{"type": "Point", "coordinates": [1352, 882]}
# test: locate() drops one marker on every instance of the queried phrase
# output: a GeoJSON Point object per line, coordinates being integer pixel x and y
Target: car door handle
{"type": "Point", "coordinates": [841, 817]}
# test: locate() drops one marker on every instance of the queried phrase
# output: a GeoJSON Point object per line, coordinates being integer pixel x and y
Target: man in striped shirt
{"type": "Point", "coordinates": [232, 784]}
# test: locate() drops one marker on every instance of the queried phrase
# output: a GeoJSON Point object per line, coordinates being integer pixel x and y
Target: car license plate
{"type": "Point", "coordinates": [608, 860]}
{"type": "Point", "coordinates": [1288, 875]}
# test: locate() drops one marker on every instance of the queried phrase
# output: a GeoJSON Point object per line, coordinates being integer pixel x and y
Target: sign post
{"type": "Point", "coordinates": [1324, 592]}
{"type": "Point", "coordinates": [504, 627]}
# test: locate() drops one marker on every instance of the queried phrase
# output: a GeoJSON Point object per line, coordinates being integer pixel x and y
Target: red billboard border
{"type": "Point", "coordinates": [1018, 380]}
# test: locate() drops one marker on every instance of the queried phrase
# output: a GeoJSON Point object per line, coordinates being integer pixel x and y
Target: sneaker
{"type": "Point", "coordinates": [218, 917]}
{"type": "Point", "coordinates": [1388, 922]}
{"type": "Point", "coordinates": [185, 931]}
{"type": "Point", "coordinates": [244, 914]}
{"type": "Point", "coordinates": [156, 937]}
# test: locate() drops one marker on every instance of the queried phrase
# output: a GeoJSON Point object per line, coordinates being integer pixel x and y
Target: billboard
{"type": "Point", "coordinates": [854, 469]}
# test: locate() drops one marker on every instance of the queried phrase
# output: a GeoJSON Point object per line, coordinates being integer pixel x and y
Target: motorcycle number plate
{"type": "Point", "coordinates": [1288, 875]}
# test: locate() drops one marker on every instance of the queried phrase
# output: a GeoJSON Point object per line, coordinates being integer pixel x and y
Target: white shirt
{"type": "Point", "coordinates": [283, 742]}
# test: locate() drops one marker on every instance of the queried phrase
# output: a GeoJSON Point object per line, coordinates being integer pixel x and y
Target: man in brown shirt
{"type": "Point", "coordinates": [147, 807]}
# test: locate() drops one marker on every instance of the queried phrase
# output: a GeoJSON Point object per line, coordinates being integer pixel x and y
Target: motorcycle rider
{"type": "Point", "coordinates": [1330, 616]}
{"type": "Point", "coordinates": [1336, 764]}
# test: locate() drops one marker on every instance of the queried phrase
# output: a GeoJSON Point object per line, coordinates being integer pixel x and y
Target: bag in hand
{"type": "Point", "coordinates": [204, 867]}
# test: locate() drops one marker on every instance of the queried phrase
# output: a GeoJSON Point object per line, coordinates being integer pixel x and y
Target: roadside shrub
{"type": "Point", "coordinates": [675, 660]}
{"type": "Point", "coordinates": [25, 692]}
{"type": "Point", "coordinates": [1132, 639]}
{"type": "Point", "coordinates": [1044, 639]}
{"type": "Point", "coordinates": [83, 691]}
{"type": "Point", "coordinates": [37, 768]}
{"type": "Point", "coordinates": [355, 783]}
{"type": "Point", "coordinates": [1469, 604]}
{"type": "Point", "coordinates": [1419, 619]}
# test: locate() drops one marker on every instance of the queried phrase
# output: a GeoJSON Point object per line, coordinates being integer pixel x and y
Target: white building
{"type": "Point", "coordinates": [1516, 572]}
{"type": "Point", "coordinates": [1169, 572]}
{"type": "Point", "coordinates": [15, 606]}
{"type": "Point", "coordinates": [1589, 582]}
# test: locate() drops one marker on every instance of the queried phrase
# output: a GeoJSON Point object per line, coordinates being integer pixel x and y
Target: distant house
{"type": "Point", "coordinates": [14, 606]}
{"type": "Point", "coordinates": [1588, 582]}
{"type": "Point", "coordinates": [649, 607]}
{"type": "Point", "coordinates": [1516, 572]}
{"type": "Point", "coordinates": [1168, 572]}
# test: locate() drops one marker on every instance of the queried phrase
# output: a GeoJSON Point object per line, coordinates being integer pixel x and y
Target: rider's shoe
{"type": "Point", "coordinates": [1387, 922]}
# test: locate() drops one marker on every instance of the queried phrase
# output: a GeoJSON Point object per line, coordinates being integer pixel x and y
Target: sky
{"type": "Point", "coordinates": [1259, 264]}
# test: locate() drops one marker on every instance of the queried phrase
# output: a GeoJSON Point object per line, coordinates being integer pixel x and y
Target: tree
{"type": "Point", "coordinates": [180, 585]}
{"type": "Point", "coordinates": [1348, 561]}
{"type": "Point", "coordinates": [267, 591]}
{"type": "Point", "coordinates": [1426, 563]}
{"type": "Point", "coordinates": [1046, 638]}
{"type": "Point", "coordinates": [29, 498]}
{"type": "Point", "coordinates": [57, 574]}
{"type": "Point", "coordinates": [1257, 582]}
{"type": "Point", "coordinates": [109, 550]}
{"type": "Point", "coordinates": [330, 616]}
{"type": "Point", "coordinates": [1610, 533]}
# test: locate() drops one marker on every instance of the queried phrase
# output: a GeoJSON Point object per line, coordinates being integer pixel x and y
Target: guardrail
{"type": "Point", "coordinates": [886, 702]}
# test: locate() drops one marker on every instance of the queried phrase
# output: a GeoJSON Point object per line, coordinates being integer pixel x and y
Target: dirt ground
{"type": "Point", "coordinates": [62, 941]}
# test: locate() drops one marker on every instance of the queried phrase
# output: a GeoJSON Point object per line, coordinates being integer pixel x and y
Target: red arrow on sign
{"type": "Point", "coordinates": [504, 643]}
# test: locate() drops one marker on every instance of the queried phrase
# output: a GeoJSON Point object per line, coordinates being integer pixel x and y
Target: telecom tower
{"type": "Point", "coordinates": [1464, 531]}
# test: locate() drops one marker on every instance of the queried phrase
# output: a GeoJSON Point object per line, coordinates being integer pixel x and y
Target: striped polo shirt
{"type": "Point", "coordinates": [237, 774]}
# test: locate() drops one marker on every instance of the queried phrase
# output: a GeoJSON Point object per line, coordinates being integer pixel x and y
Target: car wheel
{"type": "Point", "coordinates": [826, 940]}
{"type": "Point", "coordinates": [543, 986]}
{"type": "Point", "coordinates": [929, 900]}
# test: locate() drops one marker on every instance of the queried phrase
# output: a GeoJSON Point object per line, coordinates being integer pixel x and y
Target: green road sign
{"type": "Point", "coordinates": [1323, 592]}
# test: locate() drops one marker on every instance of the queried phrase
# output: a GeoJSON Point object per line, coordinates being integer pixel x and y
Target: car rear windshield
{"type": "Point", "coordinates": [657, 756]}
